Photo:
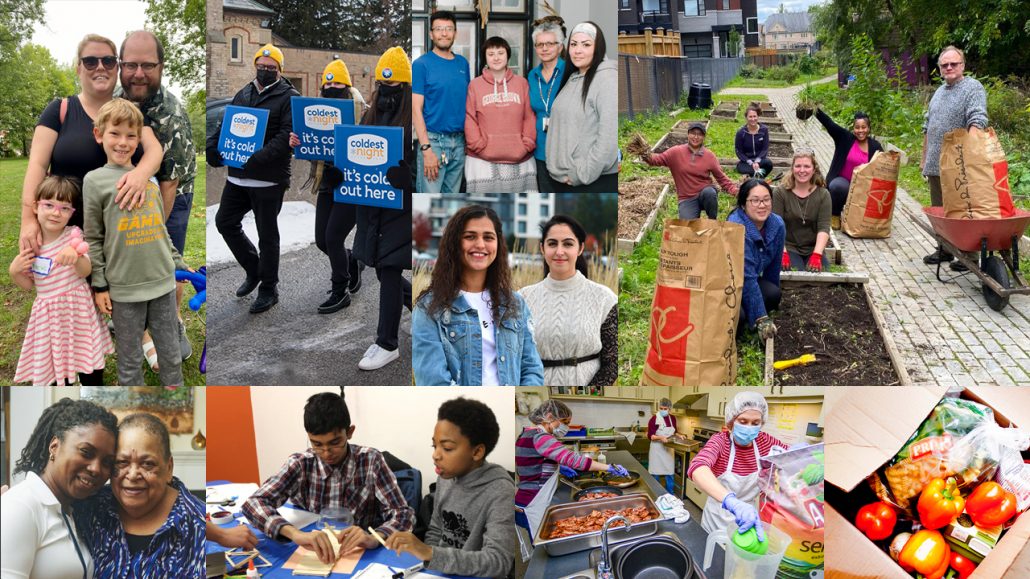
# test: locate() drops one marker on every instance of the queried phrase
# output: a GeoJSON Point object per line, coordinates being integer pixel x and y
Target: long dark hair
{"type": "Point", "coordinates": [599, 50]}
{"type": "Point", "coordinates": [445, 284]}
{"type": "Point", "coordinates": [371, 116]}
{"type": "Point", "coordinates": [577, 230]}
{"type": "Point", "coordinates": [57, 420]}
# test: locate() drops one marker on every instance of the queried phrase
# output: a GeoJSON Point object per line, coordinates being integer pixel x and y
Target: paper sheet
{"type": "Point", "coordinates": [305, 561]}
{"type": "Point", "coordinates": [380, 571]}
{"type": "Point", "coordinates": [218, 493]}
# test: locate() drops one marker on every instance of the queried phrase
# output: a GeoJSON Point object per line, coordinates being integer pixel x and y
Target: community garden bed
{"type": "Point", "coordinates": [838, 324]}
{"type": "Point", "coordinates": [670, 140]}
{"type": "Point", "coordinates": [639, 203]}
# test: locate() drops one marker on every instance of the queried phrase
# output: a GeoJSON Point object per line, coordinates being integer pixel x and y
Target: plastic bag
{"type": "Point", "coordinates": [991, 445]}
{"type": "Point", "coordinates": [792, 501]}
{"type": "Point", "coordinates": [926, 454]}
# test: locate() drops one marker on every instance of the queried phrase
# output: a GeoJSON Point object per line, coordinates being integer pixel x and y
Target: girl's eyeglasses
{"type": "Point", "coordinates": [91, 62]}
{"type": "Point", "coordinates": [65, 210]}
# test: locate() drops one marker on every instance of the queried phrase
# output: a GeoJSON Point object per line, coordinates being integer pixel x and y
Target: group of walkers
{"type": "Point", "coordinates": [114, 166]}
{"type": "Point", "coordinates": [383, 236]}
{"type": "Point", "coordinates": [554, 131]}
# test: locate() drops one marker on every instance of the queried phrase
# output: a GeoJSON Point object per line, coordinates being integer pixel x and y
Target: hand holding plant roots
{"type": "Point", "coordinates": [638, 146]}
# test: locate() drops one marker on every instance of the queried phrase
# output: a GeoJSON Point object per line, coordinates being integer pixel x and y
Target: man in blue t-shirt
{"type": "Point", "coordinates": [440, 81]}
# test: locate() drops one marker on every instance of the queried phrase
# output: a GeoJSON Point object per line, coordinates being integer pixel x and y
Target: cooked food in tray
{"type": "Point", "coordinates": [599, 495]}
{"type": "Point", "coordinates": [595, 521]}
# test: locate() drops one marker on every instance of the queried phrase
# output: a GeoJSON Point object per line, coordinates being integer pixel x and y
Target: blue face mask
{"type": "Point", "coordinates": [745, 434]}
{"type": "Point", "coordinates": [560, 430]}
{"type": "Point", "coordinates": [663, 413]}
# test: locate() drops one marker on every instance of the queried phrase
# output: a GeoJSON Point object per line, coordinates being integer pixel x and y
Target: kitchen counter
{"type": "Point", "coordinates": [688, 446]}
{"type": "Point", "coordinates": [693, 537]}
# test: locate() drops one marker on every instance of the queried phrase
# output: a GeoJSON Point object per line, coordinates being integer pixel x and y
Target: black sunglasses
{"type": "Point", "coordinates": [91, 62]}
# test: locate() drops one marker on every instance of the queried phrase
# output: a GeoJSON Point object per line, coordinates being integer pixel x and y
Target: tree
{"type": "Point", "coordinates": [19, 18]}
{"type": "Point", "coordinates": [992, 32]}
{"type": "Point", "coordinates": [421, 231]}
{"type": "Point", "coordinates": [181, 26]}
{"type": "Point", "coordinates": [369, 26]}
{"type": "Point", "coordinates": [31, 80]}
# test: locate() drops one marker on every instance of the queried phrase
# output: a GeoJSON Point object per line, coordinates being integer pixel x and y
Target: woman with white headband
{"type": "Point", "coordinates": [582, 150]}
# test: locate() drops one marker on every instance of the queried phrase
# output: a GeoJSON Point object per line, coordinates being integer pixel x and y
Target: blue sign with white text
{"type": "Point", "coordinates": [364, 154]}
{"type": "Point", "coordinates": [243, 132]}
{"type": "Point", "coordinates": [313, 122]}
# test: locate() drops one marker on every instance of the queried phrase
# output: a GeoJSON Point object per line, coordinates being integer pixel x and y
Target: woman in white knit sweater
{"type": "Point", "coordinates": [576, 320]}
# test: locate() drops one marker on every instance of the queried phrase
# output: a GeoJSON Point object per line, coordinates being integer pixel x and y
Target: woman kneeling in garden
{"type": "Point", "coordinates": [763, 244]}
{"type": "Point", "coordinates": [804, 204]}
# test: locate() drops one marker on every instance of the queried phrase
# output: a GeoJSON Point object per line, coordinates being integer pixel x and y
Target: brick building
{"type": "Point", "coordinates": [235, 31]}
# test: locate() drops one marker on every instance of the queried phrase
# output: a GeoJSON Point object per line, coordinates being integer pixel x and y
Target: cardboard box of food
{"type": "Point", "coordinates": [866, 427]}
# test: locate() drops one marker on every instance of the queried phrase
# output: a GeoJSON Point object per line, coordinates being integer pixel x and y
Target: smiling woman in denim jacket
{"type": "Point", "coordinates": [469, 328]}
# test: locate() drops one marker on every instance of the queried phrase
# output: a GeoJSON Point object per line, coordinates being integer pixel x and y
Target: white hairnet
{"type": "Point", "coordinates": [665, 402]}
{"type": "Point", "coordinates": [555, 409]}
{"type": "Point", "coordinates": [745, 401]}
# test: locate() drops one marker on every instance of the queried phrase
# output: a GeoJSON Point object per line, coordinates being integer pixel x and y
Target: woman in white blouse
{"type": "Point", "coordinates": [68, 458]}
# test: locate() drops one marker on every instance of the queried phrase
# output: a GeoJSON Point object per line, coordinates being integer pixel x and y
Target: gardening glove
{"type": "Point", "coordinates": [766, 328]}
{"type": "Point", "coordinates": [745, 515]}
{"type": "Point", "coordinates": [815, 262]}
{"type": "Point", "coordinates": [785, 261]}
{"type": "Point", "coordinates": [568, 471]}
{"type": "Point", "coordinates": [617, 470]}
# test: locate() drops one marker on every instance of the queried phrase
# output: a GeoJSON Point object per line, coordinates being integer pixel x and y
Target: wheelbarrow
{"type": "Point", "coordinates": [997, 240]}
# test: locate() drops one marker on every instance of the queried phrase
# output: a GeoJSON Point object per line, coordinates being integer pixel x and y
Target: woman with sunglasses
{"type": "Point", "coordinates": [763, 243]}
{"type": "Point", "coordinates": [63, 145]}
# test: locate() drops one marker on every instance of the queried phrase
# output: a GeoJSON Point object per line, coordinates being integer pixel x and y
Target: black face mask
{"type": "Point", "coordinates": [267, 77]}
{"type": "Point", "coordinates": [389, 97]}
{"type": "Point", "coordinates": [334, 92]}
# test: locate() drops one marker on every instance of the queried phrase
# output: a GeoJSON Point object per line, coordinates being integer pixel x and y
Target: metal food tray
{"type": "Point", "coordinates": [591, 540]}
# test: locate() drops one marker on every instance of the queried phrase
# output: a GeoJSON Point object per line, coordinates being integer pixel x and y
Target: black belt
{"type": "Point", "coordinates": [570, 361]}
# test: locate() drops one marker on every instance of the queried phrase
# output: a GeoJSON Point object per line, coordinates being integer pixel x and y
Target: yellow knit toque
{"type": "Point", "coordinates": [336, 71]}
{"type": "Point", "coordinates": [271, 52]}
{"type": "Point", "coordinates": [394, 66]}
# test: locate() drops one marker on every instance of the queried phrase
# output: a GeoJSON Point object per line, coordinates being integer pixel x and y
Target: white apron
{"type": "Point", "coordinates": [535, 511]}
{"type": "Point", "coordinates": [659, 458]}
{"type": "Point", "coordinates": [745, 487]}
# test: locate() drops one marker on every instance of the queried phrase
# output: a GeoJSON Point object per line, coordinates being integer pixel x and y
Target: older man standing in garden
{"type": "Point", "coordinates": [959, 103]}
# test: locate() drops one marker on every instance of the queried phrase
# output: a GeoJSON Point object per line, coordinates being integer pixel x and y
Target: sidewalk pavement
{"type": "Point", "coordinates": [946, 334]}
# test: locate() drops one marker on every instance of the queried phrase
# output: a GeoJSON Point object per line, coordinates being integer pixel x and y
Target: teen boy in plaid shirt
{"type": "Point", "coordinates": [332, 473]}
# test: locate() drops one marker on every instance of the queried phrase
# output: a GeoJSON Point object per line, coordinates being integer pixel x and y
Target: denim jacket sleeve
{"type": "Point", "coordinates": [532, 373]}
{"type": "Point", "coordinates": [428, 358]}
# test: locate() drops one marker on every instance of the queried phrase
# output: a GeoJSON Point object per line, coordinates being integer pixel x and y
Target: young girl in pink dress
{"type": "Point", "coordinates": [65, 335]}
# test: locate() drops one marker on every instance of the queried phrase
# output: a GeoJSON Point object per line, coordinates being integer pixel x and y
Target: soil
{"type": "Point", "coordinates": [673, 139]}
{"type": "Point", "coordinates": [781, 150]}
{"type": "Point", "coordinates": [636, 201]}
{"type": "Point", "coordinates": [832, 321]}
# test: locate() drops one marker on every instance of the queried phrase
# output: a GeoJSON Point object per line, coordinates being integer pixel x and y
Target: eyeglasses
{"type": "Point", "coordinates": [268, 67]}
{"type": "Point", "coordinates": [148, 67]}
{"type": "Point", "coordinates": [65, 210]}
{"type": "Point", "coordinates": [950, 64]}
{"type": "Point", "coordinates": [91, 62]}
{"type": "Point", "coordinates": [443, 29]}
{"type": "Point", "coordinates": [546, 44]}
{"type": "Point", "coordinates": [760, 202]}
{"type": "Point", "coordinates": [328, 448]}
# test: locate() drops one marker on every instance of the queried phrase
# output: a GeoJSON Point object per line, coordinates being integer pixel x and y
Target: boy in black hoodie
{"type": "Point", "coordinates": [472, 528]}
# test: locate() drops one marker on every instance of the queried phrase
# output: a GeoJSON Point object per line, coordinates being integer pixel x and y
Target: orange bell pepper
{"type": "Point", "coordinates": [926, 553]}
{"type": "Point", "coordinates": [963, 566]}
{"type": "Point", "coordinates": [940, 503]}
{"type": "Point", "coordinates": [990, 505]}
{"type": "Point", "coordinates": [876, 520]}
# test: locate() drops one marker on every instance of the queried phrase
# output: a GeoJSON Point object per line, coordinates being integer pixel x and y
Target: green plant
{"type": "Point", "coordinates": [751, 71]}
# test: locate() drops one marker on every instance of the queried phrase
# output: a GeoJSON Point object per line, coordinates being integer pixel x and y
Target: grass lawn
{"type": "Point", "coordinates": [17, 303]}
{"type": "Point", "coordinates": [739, 81]}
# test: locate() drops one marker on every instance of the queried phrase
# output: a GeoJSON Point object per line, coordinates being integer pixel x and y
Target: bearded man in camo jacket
{"type": "Point", "coordinates": [141, 60]}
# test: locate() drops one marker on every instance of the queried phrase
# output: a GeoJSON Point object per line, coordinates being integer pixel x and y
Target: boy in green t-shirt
{"type": "Point", "coordinates": [134, 261]}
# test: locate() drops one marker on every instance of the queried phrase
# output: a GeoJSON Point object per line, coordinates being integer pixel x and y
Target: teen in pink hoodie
{"type": "Point", "coordinates": [500, 127]}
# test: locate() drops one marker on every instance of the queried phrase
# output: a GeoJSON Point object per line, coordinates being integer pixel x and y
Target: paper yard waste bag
{"type": "Point", "coordinates": [870, 205]}
{"type": "Point", "coordinates": [696, 305]}
{"type": "Point", "coordinates": [975, 176]}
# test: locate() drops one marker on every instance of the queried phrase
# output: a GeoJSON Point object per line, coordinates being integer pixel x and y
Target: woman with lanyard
{"type": "Point", "coordinates": [544, 83]}
{"type": "Point", "coordinates": [67, 458]}
{"type": "Point", "coordinates": [726, 469]}
{"type": "Point", "coordinates": [660, 429]}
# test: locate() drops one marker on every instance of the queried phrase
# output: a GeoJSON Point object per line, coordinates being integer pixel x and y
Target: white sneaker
{"type": "Point", "coordinates": [376, 357]}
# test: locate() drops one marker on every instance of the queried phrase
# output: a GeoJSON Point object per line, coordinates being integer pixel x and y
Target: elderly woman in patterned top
{"type": "Point", "coordinates": [146, 524]}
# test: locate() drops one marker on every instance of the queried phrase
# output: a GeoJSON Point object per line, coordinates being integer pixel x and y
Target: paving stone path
{"type": "Point", "coordinates": [945, 333]}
